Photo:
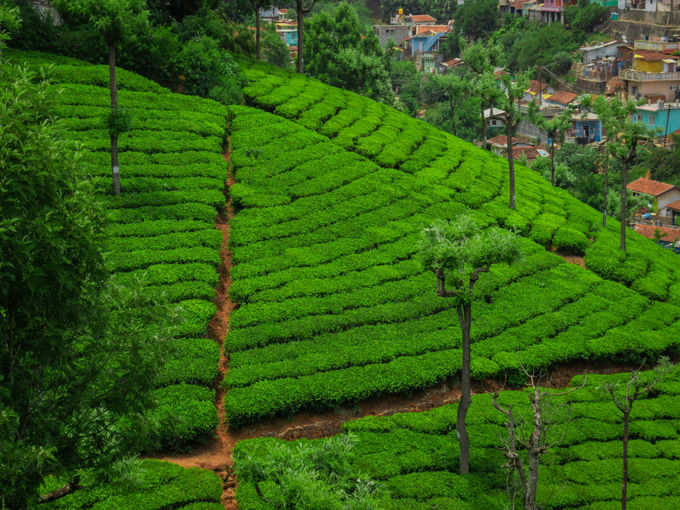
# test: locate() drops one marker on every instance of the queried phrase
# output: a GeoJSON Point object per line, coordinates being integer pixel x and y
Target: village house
{"type": "Point", "coordinates": [520, 146]}
{"type": "Point", "coordinates": [654, 76]}
{"type": "Point", "coordinates": [423, 47]}
{"type": "Point", "coordinates": [450, 64]}
{"type": "Point", "coordinates": [663, 118]}
{"type": "Point", "coordinates": [663, 197]}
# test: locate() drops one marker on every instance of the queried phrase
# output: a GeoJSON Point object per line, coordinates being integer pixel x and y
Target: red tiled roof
{"type": "Point", "coordinates": [669, 234]}
{"type": "Point", "coordinates": [674, 205]}
{"type": "Point", "coordinates": [421, 18]}
{"type": "Point", "coordinates": [649, 186]}
{"type": "Point", "coordinates": [530, 152]}
{"type": "Point", "coordinates": [649, 55]}
{"type": "Point", "coordinates": [535, 85]}
{"type": "Point", "coordinates": [502, 140]}
{"type": "Point", "coordinates": [563, 97]}
{"type": "Point", "coordinates": [435, 29]}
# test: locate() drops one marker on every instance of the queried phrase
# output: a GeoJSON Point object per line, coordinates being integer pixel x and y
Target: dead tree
{"type": "Point", "coordinates": [636, 387]}
{"type": "Point", "coordinates": [534, 440]}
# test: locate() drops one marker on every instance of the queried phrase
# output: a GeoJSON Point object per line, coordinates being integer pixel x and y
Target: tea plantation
{"type": "Point", "coordinates": [156, 485]}
{"type": "Point", "coordinates": [333, 190]}
{"type": "Point", "coordinates": [414, 456]}
{"type": "Point", "coordinates": [160, 232]}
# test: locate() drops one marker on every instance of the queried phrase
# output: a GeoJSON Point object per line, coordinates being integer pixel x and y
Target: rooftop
{"type": "Point", "coordinates": [669, 234]}
{"type": "Point", "coordinates": [599, 46]}
{"type": "Point", "coordinates": [432, 29]}
{"type": "Point", "coordinates": [650, 186]}
{"type": "Point", "coordinates": [674, 205]}
{"type": "Point", "coordinates": [421, 18]}
{"type": "Point", "coordinates": [563, 97]}
{"type": "Point", "coordinates": [652, 56]}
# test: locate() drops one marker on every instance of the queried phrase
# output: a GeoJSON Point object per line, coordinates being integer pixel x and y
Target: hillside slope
{"type": "Point", "coordinates": [334, 306]}
{"type": "Point", "coordinates": [414, 456]}
{"type": "Point", "coordinates": [160, 232]}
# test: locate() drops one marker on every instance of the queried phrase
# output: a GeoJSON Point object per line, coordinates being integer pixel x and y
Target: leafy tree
{"type": "Point", "coordinates": [625, 142]}
{"type": "Point", "coordinates": [508, 101]}
{"type": "Point", "coordinates": [638, 386]}
{"type": "Point", "coordinates": [583, 19]}
{"type": "Point", "coordinates": [338, 53]}
{"type": "Point", "coordinates": [310, 476]}
{"type": "Point", "coordinates": [10, 20]}
{"type": "Point", "coordinates": [112, 18]}
{"type": "Point", "coordinates": [76, 360]}
{"type": "Point", "coordinates": [458, 252]}
{"type": "Point", "coordinates": [209, 71]}
{"type": "Point", "coordinates": [477, 19]}
{"type": "Point", "coordinates": [451, 90]}
{"type": "Point", "coordinates": [275, 50]}
{"type": "Point", "coordinates": [480, 60]}
{"type": "Point", "coordinates": [556, 129]}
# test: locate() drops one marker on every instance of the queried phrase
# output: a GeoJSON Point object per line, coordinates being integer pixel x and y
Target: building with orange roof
{"type": "Point", "coordinates": [654, 75]}
{"type": "Point", "coordinates": [667, 196]}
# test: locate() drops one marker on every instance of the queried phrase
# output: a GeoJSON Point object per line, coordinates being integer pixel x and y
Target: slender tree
{"type": "Point", "coordinates": [508, 101]}
{"type": "Point", "coordinates": [556, 129]}
{"type": "Point", "coordinates": [301, 11]}
{"type": "Point", "coordinates": [639, 385]}
{"type": "Point", "coordinates": [457, 252]}
{"type": "Point", "coordinates": [113, 19]}
{"type": "Point", "coordinates": [479, 60]}
{"type": "Point", "coordinates": [626, 138]}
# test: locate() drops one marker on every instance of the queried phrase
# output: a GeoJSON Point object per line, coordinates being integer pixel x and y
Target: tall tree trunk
{"type": "Point", "coordinates": [465, 318]}
{"type": "Point", "coordinates": [257, 32]}
{"type": "Point", "coordinates": [552, 162]}
{"type": "Point", "coordinates": [606, 189]}
{"type": "Point", "coordinates": [532, 488]}
{"type": "Point", "coordinates": [511, 163]}
{"type": "Point", "coordinates": [624, 204]}
{"type": "Point", "coordinates": [624, 481]}
{"type": "Point", "coordinates": [114, 107]}
{"type": "Point", "coordinates": [300, 17]}
{"type": "Point", "coordinates": [484, 125]}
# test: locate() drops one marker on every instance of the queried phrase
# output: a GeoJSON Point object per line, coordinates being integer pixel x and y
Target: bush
{"type": "Point", "coordinates": [570, 241]}
{"type": "Point", "coordinates": [209, 71]}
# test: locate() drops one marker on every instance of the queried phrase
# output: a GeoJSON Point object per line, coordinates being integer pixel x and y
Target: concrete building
{"type": "Point", "coordinates": [654, 76]}
{"type": "Point", "coordinates": [599, 51]}
{"type": "Point", "coordinates": [662, 117]}
{"type": "Point", "coordinates": [396, 33]}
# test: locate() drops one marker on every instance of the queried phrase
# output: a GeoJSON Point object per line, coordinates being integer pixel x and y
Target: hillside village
{"type": "Point", "coordinates": [323, 255]}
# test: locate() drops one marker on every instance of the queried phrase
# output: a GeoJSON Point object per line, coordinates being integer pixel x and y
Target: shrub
{"type": "Point", "coordinates": [570, 240]}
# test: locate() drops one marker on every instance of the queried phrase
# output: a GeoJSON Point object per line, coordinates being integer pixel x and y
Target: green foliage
{"type": "Point", "coordinates": [324, 247]}
{"type": "Point", "coordinates": [414, 456]}
{"type": "Point", "coordinates": [209, 71]}
{"type": "Point", "coordinates": [306, 477]}
{"type": "Point", "coordinates": [337, 53]}
{"type": "Point", "coordinates": [570, 241]}
{"type": "Point", "coordinates": [584, 19]}
{"type": "Point", "coordinates": [118, 122]}
{"type": "Point", "coordinates": [111, 18]}
{"type": "Point", "coordinates": [147, 484]}
{"type": "Point", "coordinates": [477, 19]}
{"type": "Point", "coordinates": [10, 20]}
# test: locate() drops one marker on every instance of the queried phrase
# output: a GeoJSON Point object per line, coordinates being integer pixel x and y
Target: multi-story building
{"type": "Point", "coordinates": [654, 76]}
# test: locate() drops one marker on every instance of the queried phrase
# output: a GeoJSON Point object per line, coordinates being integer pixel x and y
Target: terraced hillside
{"type": "Point", "coordinates": [157, 485]}
{"type": "Point", "coordinates": [160, 232]}
{"type": "Point", "coordinates": [414, 456]}
{"type": "Point", "coordinates": [334, 305]}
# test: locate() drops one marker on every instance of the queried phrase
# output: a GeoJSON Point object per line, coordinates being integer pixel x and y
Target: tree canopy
{"type": "Point", "coordinates": [338, 53]}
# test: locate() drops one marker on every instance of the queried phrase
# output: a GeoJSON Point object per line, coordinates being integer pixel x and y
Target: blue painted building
{"type": "Point", "coordinates": [659, 115]}
{"type": "Point", "coordinates": [585, 128]}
